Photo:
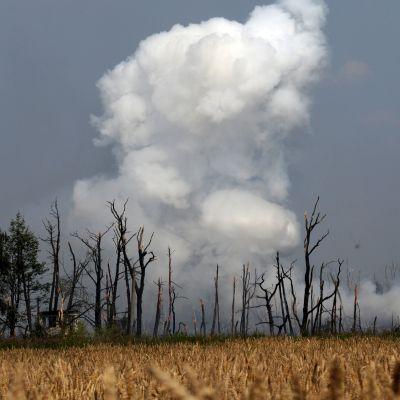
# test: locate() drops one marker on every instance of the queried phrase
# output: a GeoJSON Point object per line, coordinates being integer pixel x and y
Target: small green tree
{"type": "Point", "coordinates": [20, 273]}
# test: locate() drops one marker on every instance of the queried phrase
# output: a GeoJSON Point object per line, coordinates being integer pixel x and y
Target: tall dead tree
{"type": "Point", "coordinates": [281, 276]}
{"type": "Point", "coordinates": [203, 318]}
{"type": "Point", "coordinates": [52, 226]}
{"type": "Point", "coordinates": [309, 248]}
{"type": "Point", "coordinates": [174, 298]}
{"type": "Point", "coordinates": [216, 321]}
{"type": "Point", "coordinates": [248, 292]}
{"type": "Point", "coordinates": [145, 258]}
{"type": "Point", "coordinates": [267, 296]}
{"type": "Point", "coordinates": [77, 270]}
{"type": "Point", "coordinates": [233, 306]}
{"type": "Point", "coordinates": [354, 328]}
{"type": "Point", "coordinates": [122, 237]}
{"type": "Point", "coordinates": [170, 293]}
{"type": "Point", "coordinates": [317, 325]}
{"type": "Point", "coordinates": [158, 308]}
{"type": "Point", "coordinates": [194, 321]}
{"type": "Point", "coordinates": [319, 308]}
{"type": "Point", "coordinates": [336, 284]}
{"type": "Point", "coordinates": [93, 243]}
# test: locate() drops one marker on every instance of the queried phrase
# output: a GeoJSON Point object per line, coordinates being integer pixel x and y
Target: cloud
{"type": "Point", "coordinates": [198, 118]}
{"type": "Point", "coordinates": [237, 213]}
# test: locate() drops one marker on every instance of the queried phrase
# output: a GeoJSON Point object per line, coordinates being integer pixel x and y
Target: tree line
{"type": "Point", "coordinates": [112, 296]}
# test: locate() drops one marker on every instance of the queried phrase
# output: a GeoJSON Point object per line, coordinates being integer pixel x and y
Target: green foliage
{"type": "Point", "coordinates": [20, 273]}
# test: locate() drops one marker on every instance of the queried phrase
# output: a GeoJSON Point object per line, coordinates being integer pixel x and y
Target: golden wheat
{"type": "Point", "coordinates": [254, 369]}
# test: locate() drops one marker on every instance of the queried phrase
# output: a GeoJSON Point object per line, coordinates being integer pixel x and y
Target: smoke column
{"type": "Point", "coordinates": [198, 118]}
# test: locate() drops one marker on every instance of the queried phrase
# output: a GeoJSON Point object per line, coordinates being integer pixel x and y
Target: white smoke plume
{"type": "Point", "coordinates": [198, 118]}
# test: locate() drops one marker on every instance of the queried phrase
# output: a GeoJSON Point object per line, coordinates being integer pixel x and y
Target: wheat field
{"type": "Point", "coordinates": [357, 368]}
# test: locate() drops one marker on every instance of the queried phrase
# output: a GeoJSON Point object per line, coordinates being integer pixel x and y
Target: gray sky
{"type": "Point", "coordinates": [52, 54]}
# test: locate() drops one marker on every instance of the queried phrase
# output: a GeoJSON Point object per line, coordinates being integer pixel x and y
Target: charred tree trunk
{"type": "Point", "coordinates": [354, 328]}
{"type": "Point", "coordinates": [145, 257]}
{"type": "Point", "coordinates": [121, 241]}
{"type": "Point", "coordinates": [27, 297]}
{"type": "Point", "coordinates": [93, 244]}
{"type": "Point", "coordinates": [53, 239]}
{"type": "Point", "coordinates": [203, 318]}
{"type": "Point", "coordinates": [233, 307]}
{"type": "Point", "coordinates": [309, 248]}
{"type": "Point", "coordinates": [216, 321]}
{"type": "Point", "coordinates": [158, 309]}
{"type": "Point", "coordinates": [170, 291]}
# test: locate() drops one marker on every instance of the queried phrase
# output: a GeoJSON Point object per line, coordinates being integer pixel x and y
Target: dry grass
{"type": "Point", "coordinates": [254, 369]}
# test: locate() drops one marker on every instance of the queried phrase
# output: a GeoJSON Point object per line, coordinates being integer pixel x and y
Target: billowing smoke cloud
{"type": "Point", "coordinates": [198, 118]}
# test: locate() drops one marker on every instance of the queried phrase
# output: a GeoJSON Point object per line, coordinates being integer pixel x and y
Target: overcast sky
{"type": "Point", "coordinates": [53, 52]}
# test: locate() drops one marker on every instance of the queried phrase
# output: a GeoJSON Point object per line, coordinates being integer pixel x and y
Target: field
{"type": "Point", "coordinates": [352, 368]}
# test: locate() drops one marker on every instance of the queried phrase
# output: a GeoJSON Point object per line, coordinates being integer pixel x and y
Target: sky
{"type": "Point", "coordinates": [53, 53]}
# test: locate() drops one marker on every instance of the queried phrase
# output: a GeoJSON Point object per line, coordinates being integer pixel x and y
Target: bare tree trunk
{"type": "Point", "coordinates": [121, 241]}
{"type": "Point", "coordinates": [158, 308]}
{"type": "Point", "coordinates": [245, 293]}
{"type": "Point", "coordinates": [280, 288]}
{"type": "Point", "coordinates": [28, 308]}
{"type": "Point", "coordinates": [170, 295]}
{"type": "Point", "coordinates": [114, 291]}
{"type": "Point", "coordinates": [133, 316]}
{"type": "Point", "coordinates": [174, 297]}
{"type": "Point", "coordinates": [53, 239]}
{"type": "Point", "coordinates": [203, 318]}
{"type": "Point", "coordinates": [93, 243]}
{"type": "Point", "coordinates": [128, 300]}
{"type": "Point", "coordinates": [309, 248]}
{"type": "Point", "coordinates": [312, 307]}
{"type": "Point", "coordinates": [78, 268]}
{"type": "Point", "coordinates": [282, 275]}
{"type": "Point", "coordinates": [355, 310]}
{"type": "Point", "coordinates": [99, 277]}
{"type": "Point", "coordinates": [73, 283]}
{"type": "Point", "coordinates": [336, 283]}
{"type": "Point", "coordinates": [143, 263]}
{"type": "Point", "coordinates": [233, 307]}
{"type": "Point", "coordinates": [194, 323]}
{"type": "Point", "coordinates": [374, 325]}
{"type": "Point", "coordinates": [216, 322]}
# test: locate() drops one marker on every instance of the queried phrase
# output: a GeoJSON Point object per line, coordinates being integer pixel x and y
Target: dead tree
{"type": "Point", "coordinates": [174, 298]}
{"type": "Point", "coordinates": [267, 296]}
{"type": "Point", "coordinates": [309, 248]}
{"type": "Point", "coordinates": [52, 226]}
{"type": "Point", "coordinates": [340, 316]}
{"type": "Point", "coordinates": [78, 269]}
{"type": "Point", "coordinates": [354, 328]}
{"type": "Point", "coordinates": [203, 318]}
{"type": "Point", "coordinates": [194, 320]}
{"type": "Point", "coordinates": [248, 291]}
{"type": "Point", "coordinates": [170, 292]}
{"type": "Point", "coordinates": [336, 284]}
{"type": "Point", "coordinates": [216, 321]}
{"type": "Point", "coordinates": [158, 308]}
{"type": "Point", "coordinates": [145, 258]}
{"type": "Point", "coordinates": [122, 238]}
{"type": "Point", "coordinates": [281, 292]}
{"type": "Point", "coordinates": [320, 307]}
{"type": "Point", "coordinates": [93, 243]}
{"type": "Point", "coordinates": [233, 307]}
{"type": "Point", "coordinates": [281, 275]}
